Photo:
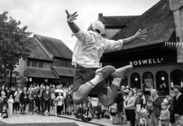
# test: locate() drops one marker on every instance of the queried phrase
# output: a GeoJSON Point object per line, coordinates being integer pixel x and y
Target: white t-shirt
{"type": "Point", "coordinates": [94, 101]}
{"type": "Point", "coordinates": [58, 91]}
{"type": "Point", "coordinates": [60, 100]}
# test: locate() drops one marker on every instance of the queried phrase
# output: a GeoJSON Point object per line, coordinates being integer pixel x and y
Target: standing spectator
{"type": "Point", "coordinates": [178, 103]}
{"type": "Point", "coordinates": [40, 99]}
{"type": "Point", "coordinates": [119, 101]}
{"type": "Point", "coordinates": [10, 105]}
{"type": "Point", "coordinates": [17, 100]}
{"type": "Point", "coordinates": [139, 106]}
{"type": "Point", "coordinates": [47, 98]}
{"type": "Point", "coordinates": [60, 100]}
{"type": "Point", "coordinates": [69, 103]}
{"type": "Point", "coordinates": [3, 89]}
{"type": "Point", "coordinates": [52, 91]}
{"type": "Point", "coordinates": [36, 98]}
{"type": "Point", "coordinates": [170, 101]}
{"type": "Point", "coordinates": [23, 100]}
{"type": "Point", "coordinates": [164, 114]}
{"type": "Point", "coordinates": [156, 100]}
{"type": "Point", "coordinates": [31, 101]}
{"type": "Point", "coordinates": [129, 105]}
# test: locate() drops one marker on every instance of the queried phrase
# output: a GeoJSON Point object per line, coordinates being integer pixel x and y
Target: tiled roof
{"type": "Point", "coordinates": [55, 47]}
{"type": "Point", "coordinates": [38, 52]}
{"type": "Point", "coordinates": [40, 73]}
{"type": "Point", "coordinates": [64, 71]}
{"type": "Point", "coordinates": [120, 21]}
{"type": "Point", "coordinates": [158, 21]}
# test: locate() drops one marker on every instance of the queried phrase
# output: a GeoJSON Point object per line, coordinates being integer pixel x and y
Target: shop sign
{"type": "Point", "coordinates": [152, 61]}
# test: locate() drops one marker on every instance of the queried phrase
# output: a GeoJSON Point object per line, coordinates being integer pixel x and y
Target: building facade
{"type": "Point", "coordinates": [155, 65]}
{"type": "Point", "coordinates": [49, 63]}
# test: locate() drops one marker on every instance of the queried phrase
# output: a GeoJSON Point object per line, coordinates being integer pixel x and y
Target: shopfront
{"type": "Point", "coordinates": [154, 67]}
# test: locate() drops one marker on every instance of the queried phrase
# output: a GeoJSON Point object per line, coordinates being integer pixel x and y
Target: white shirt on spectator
{"type": "Point", "coordinates": [60, 100]}
{"type": "Point", "coordinates": [94, 101]}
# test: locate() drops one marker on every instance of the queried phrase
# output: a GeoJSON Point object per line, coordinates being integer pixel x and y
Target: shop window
{"type": "Point", "coordinates": [135, 81]}
{"type": "Point", "coordinates": [148, 81]}
{"type": "Point", "coordinates": [162, 84]}
{"type": "Point", "coordinates": [176, 77]}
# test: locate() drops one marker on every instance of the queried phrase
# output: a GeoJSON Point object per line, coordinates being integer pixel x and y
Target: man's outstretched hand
{"type": "Point", "coordinates": [71, 17]}
{"type": "Point", "coordinates": [141, 34]}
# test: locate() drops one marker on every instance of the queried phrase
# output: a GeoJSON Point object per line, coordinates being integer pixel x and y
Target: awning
{"type": "Point", "coordinates": [40, 73]}
{"type": "Point", "coordinates": [64, 71]}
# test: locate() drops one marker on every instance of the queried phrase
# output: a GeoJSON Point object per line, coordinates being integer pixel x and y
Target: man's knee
{"type": "Point", "coordinates": [107, 103]}
{"type": "Point", "coordinates": [77, 99]}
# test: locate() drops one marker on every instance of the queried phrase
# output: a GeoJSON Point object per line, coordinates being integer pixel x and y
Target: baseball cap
{"type": "Point", "coordinates": [97, 25]}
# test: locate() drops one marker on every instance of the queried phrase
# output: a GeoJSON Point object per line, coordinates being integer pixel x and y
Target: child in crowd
{"type": "Point", "coordinates": [60, 99]}
{"type": "Point", "coordinates": [113, 110]}
{"type": "Point", "coordinates": [10, 106]}
{"type": "Point", "coordinates": [165, 114]}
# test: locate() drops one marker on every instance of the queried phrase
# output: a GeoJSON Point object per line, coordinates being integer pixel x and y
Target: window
{"type": "Point", "coordinates": [40, 64]}
{"type": "Point", "coordinates": [34, 63]}
{"type": "Point", "coordinates": [135, 81]}
{"type": "Point", "coordinates": [63, 63]}
{"type": "Point", "coordinates": [148, 81]}
{"type": "Point", "coordinates": [28, 62]}
{"type": "Point", "coordinates": [176, 77]}
{"type": "Point", "coordinates": [69, 64]}
{"type": "Point", "coordinates": [162, 84]}
{"type": "Point", "coordinates": [57, 62]}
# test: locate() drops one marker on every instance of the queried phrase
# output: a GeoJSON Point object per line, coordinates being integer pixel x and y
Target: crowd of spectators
{"type": "Point", "coordinates": [130, 106]}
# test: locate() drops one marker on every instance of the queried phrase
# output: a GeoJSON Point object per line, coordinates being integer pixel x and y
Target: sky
{"type": "Point", "coordinates": [48, 17]}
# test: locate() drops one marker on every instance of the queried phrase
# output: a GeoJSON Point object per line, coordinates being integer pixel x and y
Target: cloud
{"type": "Point", "coordinates": [47, 17]}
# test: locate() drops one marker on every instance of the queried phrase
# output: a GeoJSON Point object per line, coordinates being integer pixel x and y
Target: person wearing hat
{"type": "Point", "coordinates": [90, 77]}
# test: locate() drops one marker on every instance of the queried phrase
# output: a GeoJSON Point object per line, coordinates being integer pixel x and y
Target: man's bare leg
{"type": "Point", "coordinates": [108, 99]}
{"type": "Point", "coordinates": [82, 93]}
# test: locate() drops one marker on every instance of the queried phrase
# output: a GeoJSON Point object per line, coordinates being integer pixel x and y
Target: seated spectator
{"type": "Point", "coordinates": [86, 117]}
{"type": "Point", "coordinates": [81, 110]}
{"type": "Point", "coordinates": [4, 113]}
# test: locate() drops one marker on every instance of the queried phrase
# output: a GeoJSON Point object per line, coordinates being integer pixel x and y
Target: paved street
{"type": "Point", "coordinates": [63, 120]}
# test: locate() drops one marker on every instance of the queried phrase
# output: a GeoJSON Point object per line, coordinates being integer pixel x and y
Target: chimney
{"type": "Point", "coordinates": [177, 7]}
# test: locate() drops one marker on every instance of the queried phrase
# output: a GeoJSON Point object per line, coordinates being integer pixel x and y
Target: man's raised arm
{"type": "Point", "coordinates": [70, 18]}
{"type": "Point", "coordinates": [140, 34]}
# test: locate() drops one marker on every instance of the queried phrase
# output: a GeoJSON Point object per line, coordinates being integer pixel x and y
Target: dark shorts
{"type": "Point", "coordinates": [84, 75]}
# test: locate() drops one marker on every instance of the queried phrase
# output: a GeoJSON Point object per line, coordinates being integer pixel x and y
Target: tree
{"type": "Point", "coordinates": [14, 43]}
